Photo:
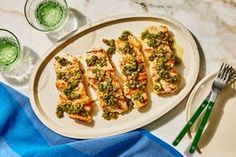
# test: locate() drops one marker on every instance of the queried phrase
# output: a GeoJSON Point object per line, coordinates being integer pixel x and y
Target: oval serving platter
{"type": "Point", "coordinates": [44, 95]}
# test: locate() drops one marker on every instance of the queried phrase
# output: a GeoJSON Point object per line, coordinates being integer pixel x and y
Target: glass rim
{"type": "Point", "coordinates": [18, 42]}
{"type": "Point", "coordinates": [42, 30]}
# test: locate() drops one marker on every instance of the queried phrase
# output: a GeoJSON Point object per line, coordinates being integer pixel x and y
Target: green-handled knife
{"type": "Point", "coordinates": [189, 124]}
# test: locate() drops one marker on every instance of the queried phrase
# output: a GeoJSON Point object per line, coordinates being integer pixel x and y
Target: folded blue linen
{"type": "Point", "coordinates": [22, 134]}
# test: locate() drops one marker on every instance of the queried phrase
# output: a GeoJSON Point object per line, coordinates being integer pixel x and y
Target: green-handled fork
{"type": "Point", "coordinates": [219, 83]}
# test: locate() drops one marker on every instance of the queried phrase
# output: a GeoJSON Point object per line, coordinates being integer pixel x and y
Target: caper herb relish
{"type": "Point", "coordinates": [108, 89]}
{"type": "Point", "coordinates": [111, 46]}
{"type": "Point", "coordinates": [62, 61]}
{"type": "Point", "coordinates": [72, 78]}
{"type": "Point", "coordinates": [95, 61]}
{"type": "Point", "coordinates": [133, 69]}
{"type": "Point", "coordinates": [69, 78]}
{"type": "Point", "coordinates": [70, 109]}
{"type": "Point", "coordinates": [155, 40]}
{"type": "Point", "coordinates": [162, 58]}
{"type": "Point", "coordinates": [104, 81]}
{"type": "Point", "coordinates": [105, 86]}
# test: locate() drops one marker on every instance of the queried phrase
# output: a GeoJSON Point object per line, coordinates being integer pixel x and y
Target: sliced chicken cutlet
{"type": "Point", "coordinates": [70, 82]}
{"type": "Point", "coordinates": [158, 49]}
{"type": "Point", "coordinates": [133, 68]}
{"type": "Point", "coordinates": [103, 80]}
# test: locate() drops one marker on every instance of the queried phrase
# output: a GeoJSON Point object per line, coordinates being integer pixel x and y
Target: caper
{"type": "Point", "coordinates": [101, 87]}
{"type": "Point", "coordinates": [110, 115]}
{"type": "Point", "coordinates": [151, 58]}
{"type": "Point", "coordinates": [124, 35]}
{"type": "Point", "coordinates": [60, 111]}
{"type": "Point", "coordinates": [62, 61]}
{"type": "Point", "coordinates": [112, 47]}
{"type": "Point", "coordinates": [144, 35]}
{"type": "Point", "coordinates": [175, 78]}
{"type": "Point", "coordinates": [128, 49]}
{"type": "Point", "coordinates": [91, 61]}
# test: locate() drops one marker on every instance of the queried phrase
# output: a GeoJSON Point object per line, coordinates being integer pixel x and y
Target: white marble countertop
{"type": "Point", "coordinates": [213, 23]}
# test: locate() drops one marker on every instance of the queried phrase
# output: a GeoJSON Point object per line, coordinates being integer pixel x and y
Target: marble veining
{"type": "Point", "coordinates": [213, 22]}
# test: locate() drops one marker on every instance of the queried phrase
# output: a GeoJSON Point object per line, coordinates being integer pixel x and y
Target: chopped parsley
{"type": "Point", "coordinates": [69, 75]}
{"type": "Point", "coordinates": [132, 68]}
{"type": "Point", "coordinates": [110, 115]}
{"type": "Point", "coordinates": [128, 49]}
{"type": "Point", "coordinates": [110, 99]}
{"type": "Point", "coordinates": [69, 90]}
{"type": "Point", "coordinates": [138, 96]}
{"type": "Point", "coordinates": [70, 109]}
{"type": "Point", "coordinates": [94, 60]}
{"type": "Point", "coordinates": [99, 74]}
{"type": "Point", "coordinates": [134, 84]}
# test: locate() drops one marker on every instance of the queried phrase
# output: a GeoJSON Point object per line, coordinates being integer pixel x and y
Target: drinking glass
{"type": "Point", "coordinates": [51, 16]}
{"type": "Point", "coordinates": [10, 50]}
{"type": "Point", "coordinates": [16, 61]}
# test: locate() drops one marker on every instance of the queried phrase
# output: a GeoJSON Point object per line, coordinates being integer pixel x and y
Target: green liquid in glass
{"type": "Point", "coordinates": [50, 14]}
{"type": "Point", "coordinates": [9, 51]}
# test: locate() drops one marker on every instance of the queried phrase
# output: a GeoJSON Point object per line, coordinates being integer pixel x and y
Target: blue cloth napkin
{"type": "Point", "coordinates": [22, 134]}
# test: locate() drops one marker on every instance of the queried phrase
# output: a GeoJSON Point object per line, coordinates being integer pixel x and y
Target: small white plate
{"type": "Point", "coordinates": [219, 136]}
{"type": "Point", "coordinates": [44, 95]}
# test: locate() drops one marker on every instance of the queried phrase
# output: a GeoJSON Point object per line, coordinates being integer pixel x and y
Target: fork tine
{"type": "Point", "coordinates": [225, 70]}
{"type": "Point", "coordinates": [227, 74]}
{"type": "Point", "coordinates": [220, 70]}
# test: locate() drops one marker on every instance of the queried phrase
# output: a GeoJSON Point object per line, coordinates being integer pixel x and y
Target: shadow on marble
{"type": "Point", "coordinates": [202, 68]}
{"type": "Point", "coordinates": [20, 75]}
{"type": "Point", "coordinates": [75, 20]}
{"type": "Point", "coordinates": [186, 151]}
